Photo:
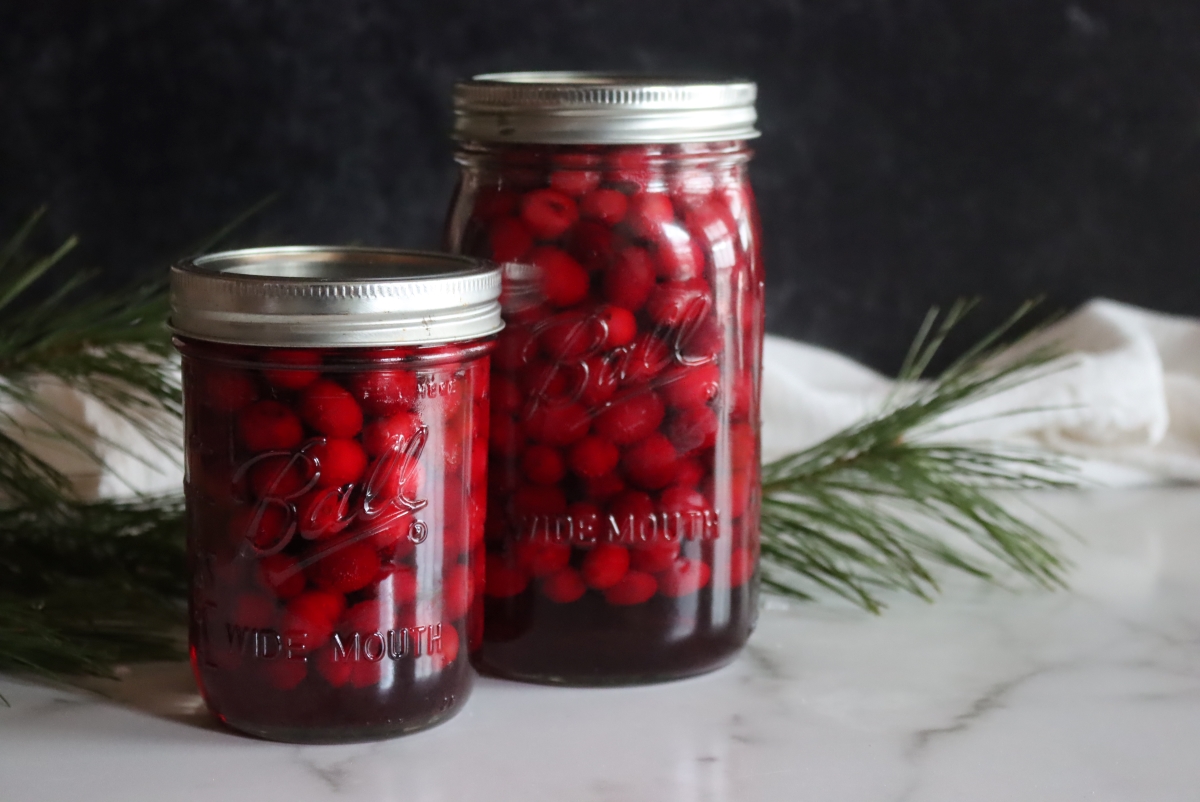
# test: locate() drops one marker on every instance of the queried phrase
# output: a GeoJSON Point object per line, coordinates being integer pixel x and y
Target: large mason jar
{"type": "Point", "coordinates": [623, 511]}
{"type": "Point", "coordinates": [335, 411]}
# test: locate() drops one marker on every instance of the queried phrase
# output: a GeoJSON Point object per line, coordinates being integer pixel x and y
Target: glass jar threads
{"type": "Point", "coordinates": [623, 515]}
{"type": "Point", "coordinates": [336, 408]}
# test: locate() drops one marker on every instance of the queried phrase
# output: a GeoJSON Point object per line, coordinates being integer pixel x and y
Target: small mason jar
{"type": "Point", "coordinates": [623, 520]}
{"type": "Point", "coordinates": [336, 409]}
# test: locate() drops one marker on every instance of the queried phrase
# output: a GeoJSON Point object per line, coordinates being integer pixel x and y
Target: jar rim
{"type": "Point", "coordinates": [603, 108]}
{"type": "Point", "coordinates": [331, 296]}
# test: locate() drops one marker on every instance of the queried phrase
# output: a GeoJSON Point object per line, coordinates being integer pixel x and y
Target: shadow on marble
{"type": "Point", "coordinates": [164, 690]}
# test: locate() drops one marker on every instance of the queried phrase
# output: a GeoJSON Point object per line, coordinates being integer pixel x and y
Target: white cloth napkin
{"type": "Point", "coordinates": [1125, 399]}
{"type": "Point", "coordinates": [1126, 402]}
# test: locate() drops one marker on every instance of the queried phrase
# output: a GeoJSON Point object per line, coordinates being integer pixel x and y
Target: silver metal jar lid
{"type": "Point", "coordinates": [334, 297]}
{"type": "Point", "coordinates": [576, 108]}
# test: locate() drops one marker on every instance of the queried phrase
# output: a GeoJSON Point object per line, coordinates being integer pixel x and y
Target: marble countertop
{"type": "Point", "coordinates": [987, 695]}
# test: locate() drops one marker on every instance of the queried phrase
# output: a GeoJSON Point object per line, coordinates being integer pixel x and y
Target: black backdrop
{"type": "Point", "coordinates": [912, 151]}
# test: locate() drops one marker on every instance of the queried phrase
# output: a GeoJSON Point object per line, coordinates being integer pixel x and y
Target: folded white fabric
{"type": "Point", "coordinates": [1126, 401]}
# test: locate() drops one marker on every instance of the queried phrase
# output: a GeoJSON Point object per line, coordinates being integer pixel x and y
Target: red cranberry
{"type": "Point", "coordinates": [629, 280]}
{"type": "Point", "coordinates": [685, 386]}
{"type": "Point", "coordinates": [620, 326]}
{"type": "Point", "coordinates": [558, 425]}
{"type": "Point", "coordinates": [562, 280]}
{"type": "Point", "coordinates": [279, 477]}
{"type": "Point", "coordinates": [504, 579]}
{"type": "Point", "coordinates": [542, 559]}
{"type": "Point", "coordinates": [282, 574]}
{"type": "Point", "coordinates": [510, 240]}
{"type": "Point", "coordinates": [631, 418]}
{"type": "Point", "coordinates": [593, 244]}
{"type": "Point", "coordinates": [648, 212]}
{"type": "Point", "coordinates": [680, 258]}
{"type": "Point", "coordinates": [334, 670]}
{"type": "Point", "coordinates": [564, 586]}
{"type": "Point", "coordinates": [585, 522]}
{"type": "Point", "coordinates": [678, 302]}
{"type": "Point", "coordinates": [339, 461]}
{"type": "Point", "coordinates": [654, 557]}
{"type": "Point", "coordinates": [600, 383]}
{"type": "Point", "coordinates": [604, 565]}
{"type": "Point", "coordinates": [650, 463]}
{"type": "Point", "coordinates": [632, 513]}
{"type": "Point", "coordinates": [380, 436]}
{"type": "Point", "coordinates": [344, 566]}
{"type": "Point", "coordinates": [690, 472]}
{"type": "Point", "coordinates": [635, 587]}
{"type": "Point", "coordinates": [700, 341]}
{"type": "Point", "coordinates": [313, 615]}
{"type": "Point", "coordinates": [548, 213]}
{"type": "Point", "coordinates": [543, 380]}
{"type": "Point", "coordinates": [571, 337]}
{"type": "Point", "coordinates": [604, 487]}
{"type": "Point", "coordinates": [269, 426]}
{"type": "Point", "coordinates": [710, 222]}
{"type": "Point", "coordinates": [227, 390]}
{"type": "Point", "coordinates": [322, 512]}
{"type": "Point", "coordinates": [266, 526]}
{"type": "Point", "coordinates": [543, 465]}
{"type": "Point", "coordinates": [288, 368]}
{"type": "Point", "coordinates": [606, 205]}
{"type": "Point", "coordinates": [684, 577]}
{"type": "Point", "coordinates": [593, 457]}
{"type": "Point", "coordinates": [330, 409]}
{"type": "Point", "coordinates": [644, 360]}
{"type": "Point", "coordinates": [505, 435]}
{"type": "Point", "coordinates": [505, 394]}
{"type": "Point", "coordinates": [574, 182]}
{"type": "Point", "coordinates": [693, 429]}
{"type": "Point", "coordinates": [635, 168]}
{"type": "Point", "coordinates": [681, 501]}
{"type": "Point", "coordinates": [384, 392]}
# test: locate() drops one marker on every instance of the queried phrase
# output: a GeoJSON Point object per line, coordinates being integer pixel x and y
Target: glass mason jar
{"type": "Point", "coordinates": [335, 413]}
{"type": "Point", "coordinates": [623, 516]}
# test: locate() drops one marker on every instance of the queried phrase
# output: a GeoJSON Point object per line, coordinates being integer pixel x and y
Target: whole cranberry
{"type": "Point", "coordinates": [269, 426]}
{"type": "Point", "coordinates": [291, 368]}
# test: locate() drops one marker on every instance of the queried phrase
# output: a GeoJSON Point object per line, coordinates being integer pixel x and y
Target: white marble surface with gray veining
{"type": "Point", "coordinates": [1092, 694]}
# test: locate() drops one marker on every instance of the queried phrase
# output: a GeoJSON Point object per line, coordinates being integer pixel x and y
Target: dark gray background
{"type": "Point", "coordinates": [912, 152]}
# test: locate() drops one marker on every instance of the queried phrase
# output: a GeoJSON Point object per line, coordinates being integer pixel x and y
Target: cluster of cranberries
{"type": "Point", "coordinates": [337, 512]}
{"type": "Point", "coordinates": [623, 448]}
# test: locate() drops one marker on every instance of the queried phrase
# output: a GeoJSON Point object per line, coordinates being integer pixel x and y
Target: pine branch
{"type": "Point", "coordinates": [114, 348]}
{"type": "Point", "coordinates": [876, 507]}
{"type": "Point", "coordinates": [88, 585]}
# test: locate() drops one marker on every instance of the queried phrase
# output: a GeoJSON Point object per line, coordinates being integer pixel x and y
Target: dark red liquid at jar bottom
{"type": "Point", "coordinates": [622, 533]}
{"type": "Point", "coordinates": [336, 503]}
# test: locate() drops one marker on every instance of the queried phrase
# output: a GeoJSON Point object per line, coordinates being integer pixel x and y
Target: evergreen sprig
{"type": "Point", "coordinates": [83, 585]}
{"type": "Point", "coordinates": [878, 505]}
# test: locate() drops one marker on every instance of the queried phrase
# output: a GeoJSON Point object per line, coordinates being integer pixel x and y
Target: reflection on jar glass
{"type": "Point", "coordinates": [622, 532]}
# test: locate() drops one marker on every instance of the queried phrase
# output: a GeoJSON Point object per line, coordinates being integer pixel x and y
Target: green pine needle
{"type": "Point", "coordinates": [876, 508]}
